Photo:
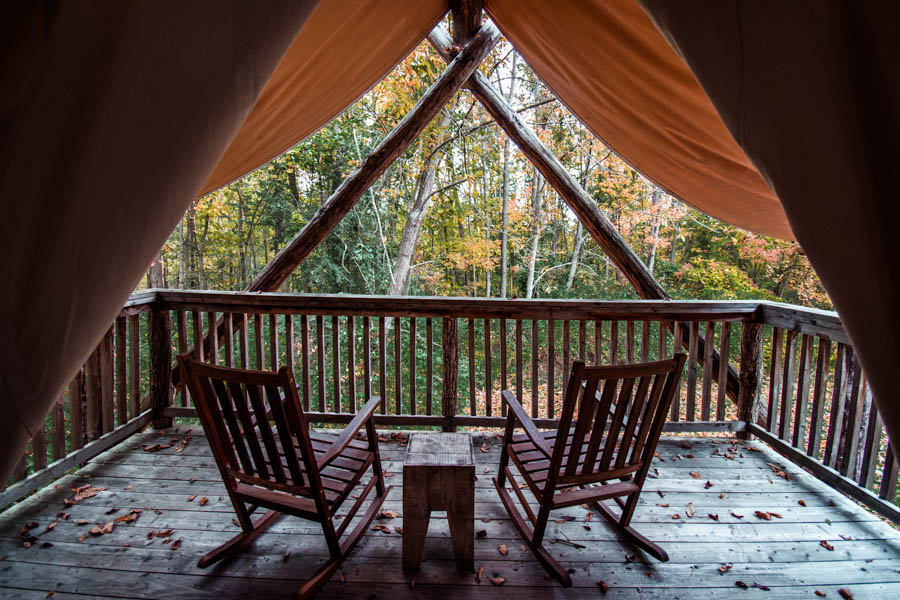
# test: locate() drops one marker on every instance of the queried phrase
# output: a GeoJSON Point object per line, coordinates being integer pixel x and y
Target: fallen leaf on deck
{"type": "Point", "coordinates": [502, 549]}
{"type": "Point", "coordinates": [203, 501]}
{"type": "Point", "coordinates": [676, 516]}
{"type": "Point", "coordinates": [84, 492]}
{"type": "Point", "coordinates": [478, 574]}
{"type": "Point", "coordinates": [126, 488]}
{"type": "Point", "coordinates": [708, 484]}
{"type": "Point", "coordinates": [760, 586]}
{"type": "Point", "coordinates": [501, 580]}
{"type": "Point", "coordinates": [801, 502]}
{"type": "Point", "coordinates": [588, 517]}
{"type": "Point", "coordinates": [192, 480]}
{"type": "Point", "coordinates": [776, 515]}
{"type": "Point", "coordinates": [164, 533]}
{"type": "Point", "coordinates": [399, 530]}
{"type": "Point", "coordinates": [603, 587]}
{"type": "Point", "coordinates": [762, 515]}
{"type": "Point", "coordinates": [713, 517]}
{"type": "Point", "coordinates": [695, 475]}
{"type": "Point", "coordinates": [46, 545]}
{"type": "Point", "coordinates": [82, 537]}
{"type": "Point", "coordinates": [484, 448]}
{"type": "Point", "coordinates": [156, 447]}
{"type": "Point", "coordinates": [112, 510]}
{"type": "Point", "coordinates": [150, 534]}
{"type": "Point", "coordinates": [51, 526]}
{"type": "Point", "coordinates": [82, 522]}
{"type": "Point", "coordinates": [722, 495]}
{"type": "Point", "coordinates": [130, 517]}
{"type": "Point", "coordinates": [176, 544]}
{"type": "Point", "coordinates": [191, 498]}
{"type": "Point", "coordinates": [286, 557]}
{"type": "Point", "coordinates": [481, 533]}
{"type": "Point", "coordinates": [725, 568]}
{"type": "Point", "coordinates": [661, 495]}
{"type": "Point", "coordinates": [689, 509]}
{"type": "Point", "coordinates": [387, 514]}
{"type": "Point", "coordinates": [826, 545]}
{"type": "Point", "coordinates": [821, 594]}
{"type": "Point", "coordinates": [741, 585]}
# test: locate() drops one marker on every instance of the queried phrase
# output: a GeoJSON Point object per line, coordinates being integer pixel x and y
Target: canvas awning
{"type": "Point", "coordinates": [114, 116]}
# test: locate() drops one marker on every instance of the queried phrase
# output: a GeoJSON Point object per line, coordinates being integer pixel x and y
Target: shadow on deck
{"type": "Point", "coordinates": [783, 554]}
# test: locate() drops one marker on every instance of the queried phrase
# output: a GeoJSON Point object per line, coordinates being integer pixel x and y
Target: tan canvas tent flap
{"type": "Point", "coordinates": [811, 92]}
{"type": "Point", "coordinates": [121, 114]}
{"type": "Point", "coordinates": [343, 50]}
{"type": "Point", "coordinates": [610, 65]}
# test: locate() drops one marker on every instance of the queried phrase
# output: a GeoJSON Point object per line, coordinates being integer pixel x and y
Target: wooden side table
{"type": "Point", "coordinates": [439, 474]}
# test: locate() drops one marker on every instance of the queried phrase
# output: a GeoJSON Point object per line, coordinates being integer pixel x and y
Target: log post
{"type": "Point", "coordinates": [450, 365]}
{"type": "Point", "coordinates": [354, 186]}
{"type": "Point", "coordinates": [751, 374]}
{"type": "Point", "coordinates": [466, 19]}
{"type": "Point", "coordinates": [160, 367]}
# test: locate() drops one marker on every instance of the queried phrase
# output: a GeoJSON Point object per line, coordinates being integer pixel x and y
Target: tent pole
{"type": "Point", "coordinates": [584, 207]}
{"type": "Point", "coordinates": [354, 186]}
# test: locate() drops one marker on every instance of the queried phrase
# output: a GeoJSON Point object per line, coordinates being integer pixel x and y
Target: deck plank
{"type": "Point", "coordinates": [783, 554]}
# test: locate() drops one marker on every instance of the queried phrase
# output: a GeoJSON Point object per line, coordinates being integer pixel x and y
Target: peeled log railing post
{"type": "Point", "coordinates": [750, 374]}
{"type": "Point", "coordinates": [160, 367]}
{"type": "Point", "coordinates": [450, 366]}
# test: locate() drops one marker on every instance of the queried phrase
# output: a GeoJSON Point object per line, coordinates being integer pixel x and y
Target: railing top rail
{"type": "Point", "coordinates": [810, 321]}
{"type": "Point", "coordinates": [692, 310]}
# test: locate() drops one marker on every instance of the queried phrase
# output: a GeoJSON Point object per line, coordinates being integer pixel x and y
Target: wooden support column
{"type": "Point", "coordinates": [584, 207]}
{"type": "Point", "coordinates": [450, 367]}
{"type": "Point", "coordinates": [466, 19]}
{"type": "Point", "coordinates": [351, 190]}
{"type": "Point", "coordinates": [160, 366]}
{"type": "Point", "coordinates": [751, 374]}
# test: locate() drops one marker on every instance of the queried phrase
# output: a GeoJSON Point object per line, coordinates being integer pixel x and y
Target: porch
{"type": "Point", "coordinates": [787, 553]}
{"type": "Point", "coordinates": [773, 410]}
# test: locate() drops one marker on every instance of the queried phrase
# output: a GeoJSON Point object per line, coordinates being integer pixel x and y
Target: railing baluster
{"type": "Point", "coordinates": [213, 338]}
{"type": "Point", "coordinates": [849, 445]}
{"type": "Point", "coordinates": [802, 401]}
{"type": "Point", "coordinates": [121, 370]}
{"type": "Point", "coordinates": [260, 349]}
{"type": "Point", "coordinates": [871, 444]}
{"type": "Point", "coordinates": [722, 381]}
{"type": "Point", "coordinates": [398, 385]}
{"type": "Point", "coordinates": [336, 361]}
{"type": "Point", "coordinates": [774, 381]}
{"type": "Point", "coordinates": [59, 428]}
{"type": "Point", "coordinates": [134, 355]}
{"type": "Point", "coordinates": [837, 406]}
{"type": "Point", "coordinates": [382, 364]}
{"type": "Point", "coordinates": [819, 389]}
{"type": "Point", "coordinates": [288, 342]}
{"type": "Point", "coordinates": [676, 345]}
{"type": "Point", "coordinates": [471, 333]}
{"type": "Point", "coordinates": [565, 349]}
{"type": "Point", "coordinates": [181, 324]}
{"type": "Point", "coordinates": [412, 365]}
{"type": "Point", "coordinates": [320, 360]}
{"type": "Point", "coordinates": [92, 395]}
{"type": "Point", "coordinates": [76, 418]}
{"type": "Point", "coordinates": [598, 342]}
{"type": "Point", "coordinates": [367, 358]}
{"type": "Point", "coordinates": [488, 400]}
{"type": "Point", "coordinates": [304, 360]}
{"type": "Point", "coordinates": [519, 365]}
{"type": "Point", "coordinates": [889, 475]}
{"type": "Point", "coordinates": [228, 351]}
{"type": "Point", "coordinates": [351, 361]}
{"type": "Point", "coordinates": [662, 338]}
{"type": "Point", "coordinates": [693, 342]}
{"type": "Point", "coordinates": [107, 385]}
{"type": "Point", "coordinates": [503, 363]}
{"type": "Point", "coordinates": [450, 371]}
{"type": "Point", "coordinates": [534, 369]}
{"type": "Point", "coordinates": [551, 368]}
{"type": "Point", "coordinates": [274, 361]}
{"type": "Point", "coordinates": [645, 341]}
{"type": "Point", "coordinates": [629, 341]}
{"type": "Point", "coordinates": [429, 366]}
{"type": "Point", "coordinates": [39, 447]}
{"type": "Point", "coordinates": [198, 335]}
{"type": "Point", "coordinates": [582, 344]}
{"type": "Point", "coordinates": [787, 386]}
{"type": "Point", "coordinates": [709, 347]}
{"type": "Point", "coordinates": [613, 342]}
{"type": "Point", "coordinates": [244, 335]}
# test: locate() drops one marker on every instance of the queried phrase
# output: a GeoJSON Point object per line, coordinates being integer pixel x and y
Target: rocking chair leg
{"type": "Point", "coordinates": [240, 540]}
{"type": "Point", "coordinates": [553, 568]}
{"type": "Point", "coordinates": [312, 585]}
{"type": "Point", "coordinates": [632, 535]}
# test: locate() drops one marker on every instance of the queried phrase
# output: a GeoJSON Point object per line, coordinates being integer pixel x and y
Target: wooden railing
{"type": "Point", "coordinates": [784, 373]}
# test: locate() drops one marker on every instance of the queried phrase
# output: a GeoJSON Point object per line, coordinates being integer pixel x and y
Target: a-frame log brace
{"type": "Point", "coordinates": [584, 207]}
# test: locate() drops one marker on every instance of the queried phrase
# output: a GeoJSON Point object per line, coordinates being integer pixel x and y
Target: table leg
{"type": "Point", "coordinates": [416, 515]}
{"type": "Point", "coordinates": [461, 518]}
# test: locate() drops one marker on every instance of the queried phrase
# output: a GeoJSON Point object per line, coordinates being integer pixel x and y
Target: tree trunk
{"type": "Point", "coordinates": [155, 274]}
{"type": "Point", "coordinates": [505, 193]}
{"type": "Point", "coordinates": [573, 266]}
{"type": "Point", "coordinates": [537, 187]}
{"type": "Point", "coordinates": [656, 197]}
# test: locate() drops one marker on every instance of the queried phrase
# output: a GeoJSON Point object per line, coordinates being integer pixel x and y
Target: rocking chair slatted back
{"type": "Point", "coordinates": [239, 408]}
{"type": "Point", "coordinates": [612, 428]}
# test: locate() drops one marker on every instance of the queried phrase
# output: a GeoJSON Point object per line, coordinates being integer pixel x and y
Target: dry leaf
{"type": "Point", "coordinates": [741, 585]}
{"type": "Point", "coordinates": [725, 568]}
{"type": "Point", "coordinates": [484, 448]}
{"type": "Point", "coordinates": [737, 516]}
{"type": "Point", "coordinates": [588, 517]}
{"type": "Point", "coordinates": [176, 544]}
{"type": "Point", "coordinates": [821, 594]}
{"type": "Point", "coordinates": [481, 533]}
{"type": "Point", "coordinates": [82, 537]}
{"type": "Point", "coordinates": [51, 526]}
{"type": "Point", "coordinates": [689, 509]}
{"type": "Point", "coordinates": [502, 549]}
{"type": "Point", "coordinates": [722, 495]}
{"type": "Point", "coordinates": [776, 515]}
{"type": "Point", "coordinates": [150, 534]}
{"type": "Point", "coordinates": [126, 488]}
{"type": "Point", "coordinates": [713, 517]}
{"type": "Point", "coordinates": [192, 480]}
{"type": "Point", "coordinates": [478, 574]}
{"type": "Point", "coordinates": [603, 587]}
{"type": "Point", "coordinates": [666, 505]}
{"type": "Point", "coordinates": [708, 484]}
{"type": "Point", "coordinates": [191, 498]}
{"type": "Point", "coordinates": [498, 580]}
{"type": "Point", "coordinates": [826, 545]}
{"type": "Point", "coordinates": [164, 533]}
{"type": "Point", "coordinates": [801, 502]}
{"type": "Point", "coordinates": [676, 516]}
{"type": "Point", "coordinates": [203, 501]}
{"type": "Point", "coordinates": [695, 475]}
{"type": "Point", "coordinates": [762, 515]}
{"type": "Point", "coordinates": [387, 514]}
{"type": "Point", "coordinates": [286, 557]}
{"type": "Point", "coordinates": [661, 495]}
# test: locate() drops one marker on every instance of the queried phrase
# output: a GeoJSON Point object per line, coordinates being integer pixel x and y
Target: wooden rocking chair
{"type": "Point", "coordinates": [284, 468]}
{"type": "Point", "coordinates": [611, 442]}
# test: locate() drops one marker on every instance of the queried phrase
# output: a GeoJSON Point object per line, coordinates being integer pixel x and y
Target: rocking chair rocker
{"type": "Point", "coordinates": [611, 443]}
{"type": "Point", "coordinates": [286, 469]}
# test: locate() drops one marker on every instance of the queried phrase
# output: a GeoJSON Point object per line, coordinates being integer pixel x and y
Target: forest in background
{"type": "Point", "coordinates": [463, 213]}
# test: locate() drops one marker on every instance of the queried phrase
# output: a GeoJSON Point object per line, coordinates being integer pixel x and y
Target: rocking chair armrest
{"type": "Point", "coordinates": [516, 411]}
{"type": "Point", "coordinates": [349, 432]}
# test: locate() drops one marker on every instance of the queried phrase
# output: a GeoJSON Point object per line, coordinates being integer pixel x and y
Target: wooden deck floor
{"type": "Point", "coordinates": [783, 554]}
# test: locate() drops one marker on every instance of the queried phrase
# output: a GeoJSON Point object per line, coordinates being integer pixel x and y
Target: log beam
{"type": "Point", "coordinates": [376, 163]}
{"type": "Point", "coordinates": [466, 19]}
